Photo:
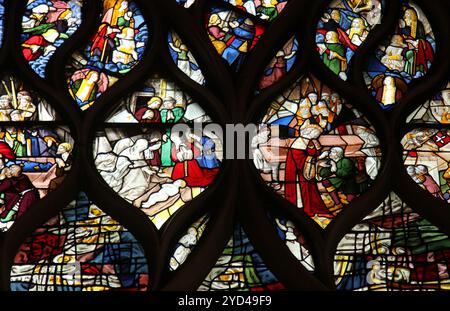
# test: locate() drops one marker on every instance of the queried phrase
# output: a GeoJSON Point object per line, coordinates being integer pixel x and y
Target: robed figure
{"type": "Point", "coordinates": [303, 153]}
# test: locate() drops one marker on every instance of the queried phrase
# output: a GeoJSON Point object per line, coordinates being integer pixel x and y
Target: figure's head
{"type": "Point", "coordinates": [389, 81]}
{"type": "Point", "coordinates": [313, 98]}
{"type": "Point", "coordinates": [336, 153]}
{"type": "Point", "coordinates": [64, 148]}
{"type": "Point", "coordinates": [123, 5]}
{"type": "Point", "coordinates": [325, 96]}
{"type": "Point", "coordinates": [155, 136]}
{"type": "Point", "coordinates": [5, 102]}
{"type": "Point", "coordinates": [421, 170]}
{"type": "Point", "coordinates": [411, 170]}
{"type": "Point", "coordinates": [16, 170]}
{"type": "Point", "coordinates": [25, 103]}
{"type": "Point", "coordinates": [336, 15]}
{"type": "Point", "coordinates": [7, 172]}
{"type": "Point", "coordinates": [214, 20]}
{"type": "Point", "coordinates": [358, 23]}
{"type": "Point", "coordinates": [332, 37]}
{"type": "Point", "coordinates": [192, 231]}
{"type": "Point", "coordinates": [311, 131]}
{"type": "Point", "coordinates": [23, 93]}
{"type": "Point", "coordinates": [410, 17]}
{"type": "Point", "coordinates": [154, 103]}
{"type": "Point", "coordinates": [93, 76]}
{"type": "Point", "coordinates": [335, 97]}
{"type": "Point", "coordinates": [169, 102]}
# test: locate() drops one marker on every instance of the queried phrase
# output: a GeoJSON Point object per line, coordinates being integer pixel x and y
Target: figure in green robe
{"type": "Point", "coordinates": [267, 10]}
{"type": "Point", "coordinates": [169, 114]}
{"type": "Point", "coordinates": [335, 55]}
{"type": "Point", "coordinates": [343, 175]}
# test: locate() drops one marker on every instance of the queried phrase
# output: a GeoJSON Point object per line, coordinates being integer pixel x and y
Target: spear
{"type": "Point", "coordinates": [14, 95]}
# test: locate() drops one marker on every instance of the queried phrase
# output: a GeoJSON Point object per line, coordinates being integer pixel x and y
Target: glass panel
{"type": "Point", "coordinates": [45, 27]}
{"type": "Point", "coordinates": [393, 249]}
{"type": "Point", "coordinates": [80, 249]}
{"type": "Point", "coordinates": [315, 150]}
{"type": "Point", "coordinates": [406, 56]}
{"type": "Point", "coordinates": [240, 268]}
{"type": "Point", "coordinates": [116, 47]}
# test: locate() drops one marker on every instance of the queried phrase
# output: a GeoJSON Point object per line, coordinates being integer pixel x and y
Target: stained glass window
{"type": "Point", "coordinates": [220, 145]}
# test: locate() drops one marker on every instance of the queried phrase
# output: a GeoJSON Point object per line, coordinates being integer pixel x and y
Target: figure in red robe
{"type": "Point", "coordinates": [147, 115]}
{"type": "Point", "coordinates": [25, 193]}
{"type": "Point", "coordinates": [310, 196]}
{"type": "Point", "coordinates": [6, 153]}
{"type": "Point", "coordinates": [187, 168]}
{"type": "Point", "coordinates": [103, 43]}
{"type": "Point", "coordinates": [34, 47]}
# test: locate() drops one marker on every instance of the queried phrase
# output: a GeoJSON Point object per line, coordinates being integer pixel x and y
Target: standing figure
{"type": "Point", "coordinates": [389, 93]}
{"type": "Point", "coordinates": [304, 149]}
{"type": "Point", "coordinates": [170, 113]}
{"type": "Point", "coordinates": [334, 53]}
{"type": "Point", "coordinates": [184, 248]}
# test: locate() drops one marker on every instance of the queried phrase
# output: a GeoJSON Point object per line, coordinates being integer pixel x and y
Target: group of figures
{"type": "Point", "coordinates": [232, 34]}
{"type": "Point", "coordinates": [436, 110]}
{"type": "Point", "coordinates": [18, 103]}
{"type": "Point", "coordinates": [316, 150]}
{"type": "Point", "coordinates": [116, 47]}
{"type": "Point", "coordinates": [46, 25]}
{"type": "Point", "coordinates": [33, 160]}
{"type": "Point", "coordinates": [408, 55]}
{"type": "Point", "coordinates": [344, 26]}
{"type": "Point", "coordinates": [313, 148]}
{"type": "Point", "coordinates": [395, 248]}
{"type": "Point", "coordinates": [157, 170]}
{"type": "Point", "coordinates": [427, 150]}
